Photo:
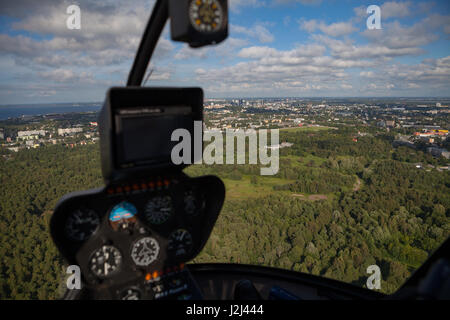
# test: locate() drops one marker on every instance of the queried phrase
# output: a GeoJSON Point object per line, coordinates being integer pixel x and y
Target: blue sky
{"type": "Point", "coordinates": [304, 48]}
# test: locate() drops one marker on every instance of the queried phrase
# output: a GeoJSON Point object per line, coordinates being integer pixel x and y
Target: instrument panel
{"type": "Point", "coordinates": [127, 237]}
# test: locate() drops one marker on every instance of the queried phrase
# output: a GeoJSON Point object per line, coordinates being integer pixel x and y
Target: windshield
{"type": "Point", "coordinates": [353, 95]}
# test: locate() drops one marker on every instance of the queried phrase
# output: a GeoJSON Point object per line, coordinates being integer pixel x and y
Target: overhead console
{"type": "Point", "coordinates": [132, 237]}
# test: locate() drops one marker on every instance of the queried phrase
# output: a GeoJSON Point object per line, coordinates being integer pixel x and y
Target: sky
{"type": "Point", "coordinates": [275, 48]}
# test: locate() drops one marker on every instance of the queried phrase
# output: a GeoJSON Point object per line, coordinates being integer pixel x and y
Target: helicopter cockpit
{"type": "Point", "coordinates": [133, 238]}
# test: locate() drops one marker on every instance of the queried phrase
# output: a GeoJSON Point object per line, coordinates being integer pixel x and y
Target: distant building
{"type": "Point", "coordinates": [381, 124]}
{"type": "Point", "coordinates": [63, 132]}
{"type": "Point", "coordinates": [2, 135]}
{"type": "Point", "coordinates": [390, 123]}
{"type": "Point", "coordinates": [30, 134]}
{"type": "Point", "coordinates": [438, 152]}
{"type": "Point", "coordinates": [431, 133]}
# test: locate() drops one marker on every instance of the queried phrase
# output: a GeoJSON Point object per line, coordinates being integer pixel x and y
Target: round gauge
{"type": "Point", "coordinates": [130, 294]}
{"type": "Point", "coordinates": [145, 251]}
{"type": "Point", "coordinates": [193, 205]}
{"type": "Point", "coordinates": [105, 261]}
{"type": "Point", "coordinates": [158, 210]}
{"type": "Point", "coordinates": [206, 15]}
{"type": "Point", "coordinates": [122, 216]}
{"type": "Point", "coordinates": [180, 243]}
{"type": "Point", "coordinates": [81, 224]}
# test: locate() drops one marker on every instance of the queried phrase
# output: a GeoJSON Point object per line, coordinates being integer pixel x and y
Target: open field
{"type": "Point", "coordinates": [244, 189]}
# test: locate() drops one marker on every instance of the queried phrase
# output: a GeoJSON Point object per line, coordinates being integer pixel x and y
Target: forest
{"type": "Point", "coordinates": [335, 207]}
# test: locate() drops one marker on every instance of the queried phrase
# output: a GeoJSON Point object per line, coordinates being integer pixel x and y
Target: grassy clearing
{"type": "Point", "coordinates": [302, 161]}
{"type": "Point", "coordinates": [244, 189]}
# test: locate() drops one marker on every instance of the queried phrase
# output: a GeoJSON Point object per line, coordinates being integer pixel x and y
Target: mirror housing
{"type": "Point", "coordinates": [198, 22]}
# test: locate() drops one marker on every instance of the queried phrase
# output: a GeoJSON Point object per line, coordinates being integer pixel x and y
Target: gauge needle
{"type": "Point", "coordinates": [146, 248]}
{"type": "Point", "coordinates": [106, 265]}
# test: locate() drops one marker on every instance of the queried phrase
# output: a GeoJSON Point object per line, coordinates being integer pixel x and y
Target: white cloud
{"type": "Point", "coordinates": [257, 31]}
{"type": "Point", "coordinates": [395, 9]}
{"type": "Point", "coordinates": [66, 75]}
{"type": "Point", "coordinates": [337, 29]}
{"type": "Point", "coordinates": [237, 5]}
{"type": "Point", "coordinates": [349, 51]}
{"type": "Point", "coordinates": [304, 2]}
{"type": "Point", "coordinates": [395, 35]}
{"type": "Point", "coordinates": [289, 57]}
{"type": "Point", "coordinates": [390, 9]}
{"type": "Point", "coordinates": [226, 49]}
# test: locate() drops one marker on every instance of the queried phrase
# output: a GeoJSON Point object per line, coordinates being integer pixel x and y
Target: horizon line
{"type": "Point", "coordinates": [253, 98]}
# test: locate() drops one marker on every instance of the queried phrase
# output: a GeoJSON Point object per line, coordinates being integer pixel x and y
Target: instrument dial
{"type": "Point", "coordinates": [145, 251]}
{"type": "Point", "coordinates": [105, 261]}
{"type": "Point", "coordinates": [122, 216]}
{"type": "Point", "coordinates": [158, 210]}
{"type": "Point", "coordinates": [81, 224]}
{"type": "Point", "coordinates": [180, 243]}
{"type": "Point", "coordinates": [206, 15]}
